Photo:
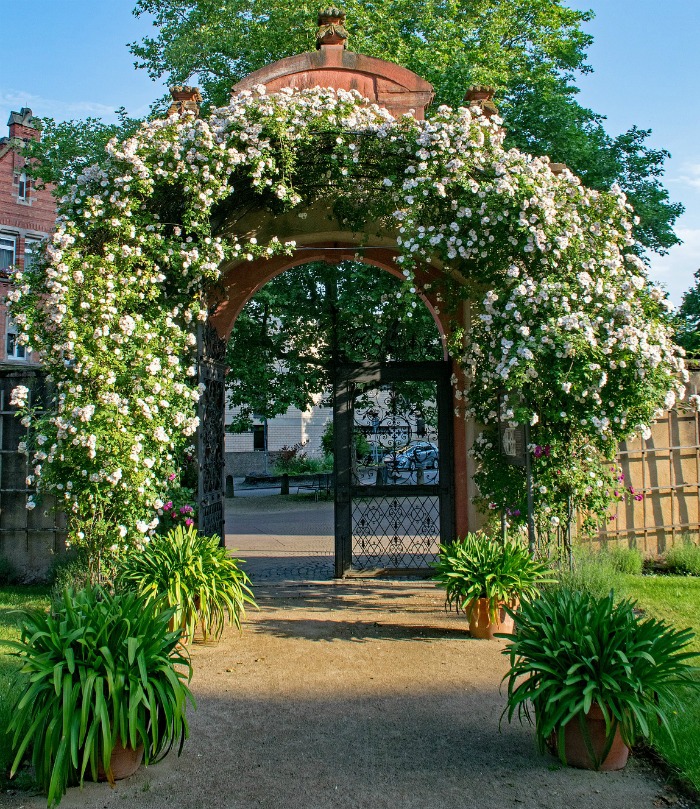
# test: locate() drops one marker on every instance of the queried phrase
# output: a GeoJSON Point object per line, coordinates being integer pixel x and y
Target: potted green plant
{"type": "Point", "coordinates": [593, 675]}
{"type": "Point", "coordinates": [194, 576]}
{"type": "Point", "coordinates": [482, 575]}
{"type": "Point", "coordinates": [106, 680]}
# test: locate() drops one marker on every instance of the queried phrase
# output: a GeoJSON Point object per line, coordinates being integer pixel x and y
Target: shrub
{"type": "Point", "coordinates": [684, 559]}
{"type": "Point", "coordinates": [571, 649]}
{"type": "Point", "coordinates": [68, 571]}
{"type": "Point", "coordinates": [100, 669]}
{"type": "Point", "coordinates": [626, 560]}
{"type": "Point", "coordinates": [194, 576]}
{"type": "Point", "coordinates": [593, 573]}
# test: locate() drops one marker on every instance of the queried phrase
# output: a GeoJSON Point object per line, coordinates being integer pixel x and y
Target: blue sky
{"type": "Point", "coordinates": [68, 59]}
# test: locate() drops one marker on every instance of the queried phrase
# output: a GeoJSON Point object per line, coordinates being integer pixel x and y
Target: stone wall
{"type": "Point", "coordinates": [28, 539]}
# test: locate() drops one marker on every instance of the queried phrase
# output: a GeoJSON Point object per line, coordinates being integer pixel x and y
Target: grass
{"type": "Point", "coordinates": [675, 599]}
{"type": "Point", "coordinates": [12, 599]}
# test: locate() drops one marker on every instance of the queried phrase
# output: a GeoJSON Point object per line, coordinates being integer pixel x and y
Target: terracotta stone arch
{"type": "Point", "coordinates": [316, 232]}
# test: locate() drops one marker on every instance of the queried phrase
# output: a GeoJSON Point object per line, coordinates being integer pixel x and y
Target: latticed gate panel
{"type": "Point", "coordinates": [395, 532]}
{"type": "Point", "coordinates": [211, 353]}
{"type": "Point", "coordinates": [393, 454]}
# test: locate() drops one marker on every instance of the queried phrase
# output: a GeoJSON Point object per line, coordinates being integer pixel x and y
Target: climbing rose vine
{"type": "Point", "coordinates": [562, 311]}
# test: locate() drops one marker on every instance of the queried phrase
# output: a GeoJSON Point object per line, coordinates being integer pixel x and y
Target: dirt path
{"type": "Point", "coordinates": [365, 696]}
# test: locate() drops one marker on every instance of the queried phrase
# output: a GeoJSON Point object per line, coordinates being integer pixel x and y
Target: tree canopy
{"type": "Point", "coordinates": [289, 335]}
{"type": "Point", "coordinates": [530, 51]}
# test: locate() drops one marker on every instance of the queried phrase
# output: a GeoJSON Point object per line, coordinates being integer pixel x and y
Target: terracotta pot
{"type": "Point", "coordinates": [575, 751]}
{"type": "Point", "coordinates": [480, 624]}
{"type": "Point", "coordinates": [123, 763]}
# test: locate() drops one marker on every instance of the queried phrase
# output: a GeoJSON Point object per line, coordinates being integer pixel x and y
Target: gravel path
{"type": "Point", "coordinates": [363, 695]}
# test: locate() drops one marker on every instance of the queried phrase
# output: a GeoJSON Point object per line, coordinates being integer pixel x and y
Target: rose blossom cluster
{"type": "Point", "coordinates": [114, 304]}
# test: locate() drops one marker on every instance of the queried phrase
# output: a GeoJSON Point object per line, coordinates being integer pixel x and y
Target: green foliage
{"type": "Point", "coordinates": [481, 567]}
{"type": "Point", "coordinates": [684, 559]}
{"type": "Point", "coordinates": [676, 599]}
{"type": "Point", "coordinates": [593, 573]}
{"type": "Point", "coordinates": [69, 571]}
{"type": "Point", "coordinates": [194, 576]}
{"type": "Point", "coordinates": [291, 333]}
{"type": "Point", "coordinates": [101, 669]}
{"type": "Point", "coordinates": [688, 334]}
{"type": "Point", "coordinates": [362, 445]}
{"type": "Point", "coordinates": [626, 560]}
{"type": "Point", "coordinates": [67, 148]}
{"type": "Point", "coordinates": [294, 461]}
{"type": "Point", "coordinates": [571, 649]}
{"type": "Point", "coordinates": [531, 51]}
{"type": "Point", "coordinates": [11, 681]}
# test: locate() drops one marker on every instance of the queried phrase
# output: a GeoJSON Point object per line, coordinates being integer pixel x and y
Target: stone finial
{"type": "Point", "coordinates": [480, 95]}
{"type": "Point", "coordinates": [185, 99]}
{"type": "Point", "coordinates": [331, 27]}
{"type": "Point", "coordinates": [557, 168]}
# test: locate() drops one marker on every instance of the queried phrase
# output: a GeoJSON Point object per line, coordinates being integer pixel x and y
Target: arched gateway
{"type": "Point", "coordinates": [156, 252]}
{"type": "Point", "coordinates": [410, 519]}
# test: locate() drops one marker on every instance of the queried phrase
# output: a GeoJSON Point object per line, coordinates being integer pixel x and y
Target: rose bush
{"type": "Point", "coordinates": [562, 313]}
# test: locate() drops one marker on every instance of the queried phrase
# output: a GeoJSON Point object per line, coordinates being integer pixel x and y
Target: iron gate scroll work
{"type": "Point", "coordinates": [211, 365]}
{"type": "Point", "coordinates": [393, 466]}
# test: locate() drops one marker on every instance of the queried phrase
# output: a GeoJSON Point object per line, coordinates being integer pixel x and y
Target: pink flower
{"type": "Point", "coordinates": [189, 521]}
{"type": "Point", "coordinates": [168, 505]}
{"type": "Point", "coordinates": [172, 477]}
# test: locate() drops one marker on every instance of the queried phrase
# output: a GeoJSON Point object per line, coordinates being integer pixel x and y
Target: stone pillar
{"type": "Point", "coordinates": [185, 99]}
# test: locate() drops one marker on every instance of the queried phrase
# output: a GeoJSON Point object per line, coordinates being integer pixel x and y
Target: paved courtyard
{"type": "Point", "coordinates": [281, 538]}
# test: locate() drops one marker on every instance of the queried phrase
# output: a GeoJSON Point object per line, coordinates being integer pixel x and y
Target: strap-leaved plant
{"type": "Point", "coordinates": [572, 650]}
{"type": "Point", "coordinates": [100, 669]}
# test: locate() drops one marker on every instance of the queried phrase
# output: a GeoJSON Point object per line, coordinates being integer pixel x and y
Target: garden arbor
{"type": "Point", "coordinates": [319, 235]}
{"type": "Point", "coordinates": [534, 282]}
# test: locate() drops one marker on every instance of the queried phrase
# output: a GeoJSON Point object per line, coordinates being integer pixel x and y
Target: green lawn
{"type": "Point", "coordinates": [11, 599]}
{"type": "Point", "coordinates": [676, 599]}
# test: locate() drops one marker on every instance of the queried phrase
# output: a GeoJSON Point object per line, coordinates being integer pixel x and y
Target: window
{"type": "Point", "coordinates": [23, 186]}
{"type": "Point", "coordinates": [15, 351]}
{"type": "Point", "coordinates": [7, 252]}
{"type": "Point", "coordinates": [30, 249]}
{"type": "Point", "coordinates": [259, 437]}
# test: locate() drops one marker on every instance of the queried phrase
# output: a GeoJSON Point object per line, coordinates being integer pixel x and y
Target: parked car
{"type": "Point", "coordinates": [421, 454]}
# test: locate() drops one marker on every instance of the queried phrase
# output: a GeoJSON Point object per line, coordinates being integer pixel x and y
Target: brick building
{"type": "Point", "coordinates": [27, 214]}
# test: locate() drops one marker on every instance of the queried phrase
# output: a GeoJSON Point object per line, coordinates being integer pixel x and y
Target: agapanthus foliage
{"type": "Point", "coordinates": [561, 314]}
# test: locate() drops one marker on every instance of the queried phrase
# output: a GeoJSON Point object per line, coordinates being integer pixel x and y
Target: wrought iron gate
{"type": "Point", "coordinates": [211, 356]}
{"type": "Point", "coordinates": [394, 493]}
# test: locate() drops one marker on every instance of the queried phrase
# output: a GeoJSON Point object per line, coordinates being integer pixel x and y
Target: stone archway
{"type": "Point", "coordinates": [317, 233]}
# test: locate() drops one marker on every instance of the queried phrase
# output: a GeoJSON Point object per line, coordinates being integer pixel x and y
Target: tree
{"type": "Point", "coordinates": [67, 148]}
{"type": "Point", "coordinates": [688, 334]}
{"type": "Point", "coordinates": [530, 50]}
{"type": "Point", "coordinates": [288, 336]}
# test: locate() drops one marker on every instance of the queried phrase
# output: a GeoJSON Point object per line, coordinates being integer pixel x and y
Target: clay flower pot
{"type": "Point", "coordinates": [575, 750]}
{"type": "Point", "coordinates": [481, 624]}
{"type": "Point", "coordinates": [123, 763]}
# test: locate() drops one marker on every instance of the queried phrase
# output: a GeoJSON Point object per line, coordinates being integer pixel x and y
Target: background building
{"type": "Point", "coordinates": [27, 214]}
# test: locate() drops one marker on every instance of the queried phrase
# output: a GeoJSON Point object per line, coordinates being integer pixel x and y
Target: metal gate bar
{"type": "Point", "coordinates": [418, 514]}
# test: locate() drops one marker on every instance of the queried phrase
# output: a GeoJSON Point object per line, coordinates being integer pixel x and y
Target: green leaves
{"type": "Point", "coordinates": [193, 576]}
{"type": "Point", "coordinates": [572, 650]}
{"type": "Point", "coordinates": [481, 567]}
{"type": "Point", "coordinates": [88, 666]}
